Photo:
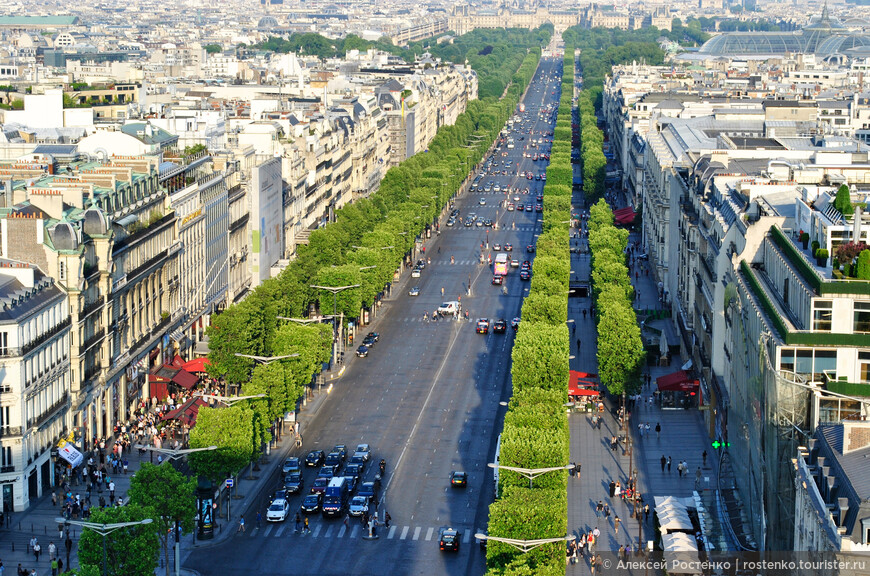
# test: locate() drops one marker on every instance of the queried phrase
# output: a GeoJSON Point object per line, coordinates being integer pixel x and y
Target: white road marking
{"type": "Point", "coordinates": [328, 532]}
{"type": "Point", "coordinates": [416, 533]}
{"type": "Point", "coordinates": [354, 531]}
{"type": "Point", "coordinates": [316, 530]}
{"type": "Point", "coordinates": [391, 533]}
{"type": "Point", "coordinates": [268, 530]}
{"type": "Point", "coordinates": [341, 531]}
{"type": "Point", "coordinates": [429, 533]}
{"type": "Point", "coordinates": [404, 533]}
{"type": "Point", "coordinates": [280, 529]}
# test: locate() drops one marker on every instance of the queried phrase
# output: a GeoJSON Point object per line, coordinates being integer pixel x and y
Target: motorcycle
{"type": "Point", "coordinates": [383, 466]}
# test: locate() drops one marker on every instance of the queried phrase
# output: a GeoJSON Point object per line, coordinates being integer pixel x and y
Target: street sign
{"type": "Point", "coordinates": [717, 444]}
{"type": "Point", "coordinates": [229, 482]}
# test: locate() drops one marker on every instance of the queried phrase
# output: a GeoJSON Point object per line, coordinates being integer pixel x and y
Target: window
{"type": "Point", "coordinates": [62, 269]}
{"type": "Point", "coordinates": [861, 317]}
{"type": "Point", "coordinates": [4, 343]}
{"type": "Point", "coordinates": [825, 363]}
{"type": "Point", "coordinates": [785, 290]}
{"type": "Point", "coordinates": [822, 316]}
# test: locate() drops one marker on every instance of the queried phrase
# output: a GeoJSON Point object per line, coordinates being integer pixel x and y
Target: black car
{"type": "Point", "coordinates": [368, 341]}
{"type": "Point", "coordinates": [353, 469]}
{"type": "Point", "coordinates": [334, 459]}
{"type": "Point", "coordinates": [293, 483]}
{"type": "Point", "coordinates": [326, 472]}
{"type": "Point", "coordinates": [530, 248]}
{"type": "Point", "coordinates": [449, 539]}
{"type": "Point", "coordinates": [311, 503]}
{"type": "Point", "coordinates": [500, 326]}
{"type": "Point", "coordinates": [341, 450]}
{"type": "Point", "coordinates": [374, 336]}
{"type": "Point", "coordinates": [525, 275]}
{"type": "Point", "coordinates": [362, 351]}
{"type": "Point", "coordinates": [458, 479]}
{"type": "Point", "coordinates": [315, 458]}
{"type": "Point", "coordinates": [278, 495]}
{"type": "Point", "coordinates": [359, 461]}
{"type": "Point", "coordinates": [369, 489]}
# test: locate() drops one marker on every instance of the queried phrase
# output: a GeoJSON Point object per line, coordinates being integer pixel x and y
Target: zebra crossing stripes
{"type": "Point", "coordinates": [337, 530]}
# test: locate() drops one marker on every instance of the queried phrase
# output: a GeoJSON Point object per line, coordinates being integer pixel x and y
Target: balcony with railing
{"type": "Point", "coordinates": [47, 335]}
{"type": "Point", "coordinates": [48, 414]}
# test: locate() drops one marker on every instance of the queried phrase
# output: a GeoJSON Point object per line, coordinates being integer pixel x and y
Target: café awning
{"type": "Point", "coordinates": [197, 365]}
{"type": "Point", "coordinates": [579, 384]}
{"type": "Point", "coordinates": [185, 379]}
{"type": "Point", "coordinates": [677, 382]}
{"type": "Point", "coordinates": [624, 215]}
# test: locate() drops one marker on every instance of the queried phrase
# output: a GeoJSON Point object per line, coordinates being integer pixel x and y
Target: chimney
{"type": "Point", "coordinates": [812, 446]}
{"type": "Point", "coordinates": [843, 506]}
{"type": "Point", "coordinates": [829, 486]}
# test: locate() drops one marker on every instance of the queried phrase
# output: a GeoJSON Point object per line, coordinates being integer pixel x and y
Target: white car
{"type": "Point", "coordinates": [415, 291]}
{"type": "Point", "coordinates": [496, 188]}
{"type": "Point", "coordinates": [359, 505]}
{"type": "Point", "coordinates": [482, 202]}
{"type": "Point", "coordinates": [278, 510]}
{"type": "Point", "coordinates": [415, 273]}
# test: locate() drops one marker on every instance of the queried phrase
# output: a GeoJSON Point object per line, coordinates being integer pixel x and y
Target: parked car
{"type": "Point", "coordinates": [362, 351]}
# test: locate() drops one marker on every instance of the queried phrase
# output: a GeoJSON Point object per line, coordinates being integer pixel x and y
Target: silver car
{"type": "Point", "coordinates": [359, 505]}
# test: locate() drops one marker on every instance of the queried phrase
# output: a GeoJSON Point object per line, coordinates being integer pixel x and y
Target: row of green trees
{"type": "Point", "coordinates": [363, 246]}
{"type": "Point", "coordinates": [535, 433]}
{"type": "Point", "coordinates": [592, 160]}
{"type": "Point", "coordinates": [620, 348]}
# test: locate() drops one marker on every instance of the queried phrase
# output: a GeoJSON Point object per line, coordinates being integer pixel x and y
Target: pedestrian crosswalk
{"type": "Point", "coordinates": [336, 530]}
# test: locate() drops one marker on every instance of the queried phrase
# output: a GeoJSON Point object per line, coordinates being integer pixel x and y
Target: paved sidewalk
{"type": "Point", "coordinates": [683, 436]}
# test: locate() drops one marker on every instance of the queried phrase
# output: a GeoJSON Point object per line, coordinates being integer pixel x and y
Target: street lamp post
{"type": "Point", "coordinates": [530, 473]}
{"type": "Point", "coordinates": [524, 546]}
{"type": "Point", "coordinates": [175, 455]}
{"type": "Point", "coordinates": [335, 290]}
{"type": "Point", "coordinates": [265, 359]}
{"type": "Point", "coordinates": [103, 530]}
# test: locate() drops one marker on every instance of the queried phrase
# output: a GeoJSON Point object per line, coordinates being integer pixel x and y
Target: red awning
{"type": "Point", "coordinates": [677, 382]}
{"type": "Point", "coordinates": [177, 362]}
{"type": "Point", "coordinates": [579, 386]}
{"type": "Point", "coordinates": [187, 412]}
{"type": "Point", "coordinates": [197, 365]}
{"type": "Point", "coordinates": [185, 379]}
{"type": "Point", "coordinates": [624, 215]}
{"type": "Point", "coordinates": [158, 386]}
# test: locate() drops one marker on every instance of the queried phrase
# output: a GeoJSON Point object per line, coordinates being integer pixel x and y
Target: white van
{"type": "Point", "coordinates": [449, 308]}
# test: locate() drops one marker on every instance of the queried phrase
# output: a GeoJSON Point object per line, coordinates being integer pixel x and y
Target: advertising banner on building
{"type": "Point", "coordinates": [70, 454]}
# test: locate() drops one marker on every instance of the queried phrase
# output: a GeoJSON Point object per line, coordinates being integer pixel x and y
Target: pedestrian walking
{"type": "Point", "coordinates": [346, 520]}
{"type": "Point", "coordinates": [259, 518]}
{"type": "Point", "coordinates": [646, 512]}
{"type": "Point", "coordinates": [112, 490]}
{"type": "Point", "coordinates": [698, 477]}
{"type": "Point", "coordinates": [37, 550]}
{"type": "Point", "coordinates": [646, 429]}
{"type": "Point", "coordinates": [704, 456]}
{"type": "Point", "coordinates": [298, 523]}
{"type": "Point", "coordinates": [669, 464]}
{"type": "Point", "coordinates": [596, 564]}
{"type": "Point", "coordinates": [577, 469]}
{"type": "Point", "coordinates": [612, 491]}
{"type": "Point", "coordinates": [578, 344]}
{"type": "Point", "coordinates": [60, 531]}
{"type": "Point", "coordinates": [54, 567]}
{"type": "Point", "coordinates": [616, 522]}
{"type": "Point", "coordinates": [52, 551]}
{"type": "Point", "coordinates": [54, 498]}
{"type": "Point", "coordinates": [599, 508]}
{"type": "Point", "coordinates": [241, 525]}
{"type": "Point", "coordinates": [571, 470]}
{"type": "Point", "coordinates": [387, 519]}
{"type": "Point", "coordinates": [664, 461]}
{"type": "Point", "coordinates": [305, 528]}
{"type": "Point", "coordinates": [658, 431]}
{"type": "Point", "coordinates": [606, 511]}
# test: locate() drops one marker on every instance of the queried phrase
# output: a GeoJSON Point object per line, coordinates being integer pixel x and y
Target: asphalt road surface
{"type": "Point", "coordinates": [426, 398]}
